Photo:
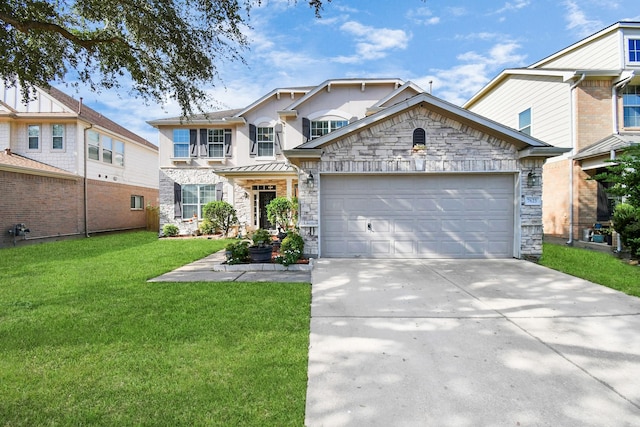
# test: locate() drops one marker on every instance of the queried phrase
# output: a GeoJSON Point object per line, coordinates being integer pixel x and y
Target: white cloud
{"type": "Point", "coordinates": [372, 43]}
{"type": "Point", "coordinates": [577, 20]}
{"type": "Point", "coordinates": [511, 6]}
{"type": "Point", "coordinates": [422, 16]}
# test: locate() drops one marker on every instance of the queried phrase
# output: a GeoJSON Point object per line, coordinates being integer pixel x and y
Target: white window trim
{"type": "Point", "coordinates": [39, 149]}
{"type": "Point", "coordinates": [64, 134]}
{"type": "Point", "coordinates": [626, 50]}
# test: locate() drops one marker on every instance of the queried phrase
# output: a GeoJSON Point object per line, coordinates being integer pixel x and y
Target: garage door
{"type": "Point", "coordinates": [436, 216]}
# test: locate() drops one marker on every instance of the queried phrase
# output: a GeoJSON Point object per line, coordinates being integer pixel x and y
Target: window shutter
{"type": "Point", "coordinates": [278, 139]}
{"type": "Point", "coordinates": [227, 142]}
{"type": "Point", "coordinates": [306, 129]}
{"type": "Point", "coordinates": [193, 142]}
{"type": "Point", "coordinates": [203, 143]}
{"type": "Point", "coordinates": [253, 131]}
{"type": "Point", "coordinates": [177, 200]}
{"type": "Point", "coordinates": [219, 187]}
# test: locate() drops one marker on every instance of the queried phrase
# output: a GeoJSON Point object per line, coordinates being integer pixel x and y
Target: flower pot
{"type": "Point", "coordinates": [260, 254]}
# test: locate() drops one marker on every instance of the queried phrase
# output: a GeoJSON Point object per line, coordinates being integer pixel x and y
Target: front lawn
{"type": "Point", "coordinates": [85, 340]}
{"type": "Point", "coordinates": [597, 267]}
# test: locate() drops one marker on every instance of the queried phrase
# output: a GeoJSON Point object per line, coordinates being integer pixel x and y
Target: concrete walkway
{"type": "Point", "coordinates": [469, 343]}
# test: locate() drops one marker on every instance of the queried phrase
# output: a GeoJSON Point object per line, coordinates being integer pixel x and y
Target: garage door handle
{"type": "Point", "coordinates": [369, 226]}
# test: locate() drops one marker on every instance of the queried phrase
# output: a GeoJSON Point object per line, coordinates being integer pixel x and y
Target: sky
{"type": "Point", "coordinates": [451, 47]}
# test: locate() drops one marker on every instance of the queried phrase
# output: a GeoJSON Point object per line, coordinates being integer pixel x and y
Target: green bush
{"type": "Point", "coordinates": [238, 252]}
{"type": "Point", "coordinates": [170, 230]}
{"type": "Point", "coordinates": [291, 249]}
{"type": "Point", "coordinates": [626, 221]}
{"type": "Point", "coordinates": [261, 237]}
{"type": "Point", "coordinates": [207, 227]}
{"type": "Point", "coordinates": [221, 215]}
{"type": "Point", "coordinates": [282, 211]}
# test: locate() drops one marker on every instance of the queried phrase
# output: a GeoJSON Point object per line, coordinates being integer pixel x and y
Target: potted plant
{"type": "Point", "coordinates": [261, 249]}
{"type": "Point", "coordinates": [281, 212]}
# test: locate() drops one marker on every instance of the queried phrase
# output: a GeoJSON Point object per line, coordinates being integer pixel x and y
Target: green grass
{"type": "Point", "coordinates": [85, 340]}
{"type": "Point", "coordinates": [597, 267]}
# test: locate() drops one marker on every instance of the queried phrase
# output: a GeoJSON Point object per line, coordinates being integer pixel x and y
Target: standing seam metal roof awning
{"type": "Point", "coordinates": [266, 170]}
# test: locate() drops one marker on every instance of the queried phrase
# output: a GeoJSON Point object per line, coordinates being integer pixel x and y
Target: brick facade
{"type": "Point", "coordinates": [385, 147]}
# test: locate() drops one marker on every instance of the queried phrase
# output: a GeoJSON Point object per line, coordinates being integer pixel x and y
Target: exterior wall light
{"type": "Point", "coordinates": [533, 180]}
{"type": "Point", "coordinates": [310, 181]}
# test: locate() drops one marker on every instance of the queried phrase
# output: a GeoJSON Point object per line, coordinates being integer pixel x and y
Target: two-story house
{"type": "Point", "coordinates": [66, 170]}
{"type": "Point", "coordinates": [381, 170]}
{"type": "Point", "coordinates": [237, 155]}
{"type": "Point", "coordinates": [586, 98]}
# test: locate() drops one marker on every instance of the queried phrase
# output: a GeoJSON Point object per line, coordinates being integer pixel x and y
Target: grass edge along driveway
{"type": "Point", "coordinates": [85, 340]}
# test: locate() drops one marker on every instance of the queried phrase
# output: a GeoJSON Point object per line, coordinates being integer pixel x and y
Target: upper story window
{"type": "Point", "coordinates": [57, 137]}
{"type": "Point", "coordinates": [215, 142]}
{"type": "Point", "coordinates": [265, 142]}
{"type": "Point", "coordinates": [524, 121]}
{"type": "Point", "coordinates": [181, 143]}
{"type": "Point", "coordinates": [323, 127]}
{"type": "Point", "coordinates": [631, 106]}
{"type": "Point", "coordinates": [34, 137]}
{"type": "Point", "coordinates": [102, 147]}
{"type": "Point", "coordinates": [634, 50]}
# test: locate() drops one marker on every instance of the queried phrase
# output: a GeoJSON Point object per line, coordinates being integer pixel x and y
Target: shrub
{"type": "Point", "coordinates": [221, 215]}
{"type": "Point", "coordinates": [170, 230]}
{"type": "Point", "coordinates": [261, 237]}
{"type": "Point", "coordinates": [282, 211]}
{"type": "Point", "coordinates": [237, 252]}
{"type": "Point", "coordinates": [207, 227]}
{"type": "Point", "coordinates": [626, 221]}
{"type": "Point", "coordinates": [291, 249]}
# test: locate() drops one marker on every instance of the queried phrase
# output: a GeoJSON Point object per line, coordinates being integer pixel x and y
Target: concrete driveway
{"type": "Point", "coordinates": [469, 343]}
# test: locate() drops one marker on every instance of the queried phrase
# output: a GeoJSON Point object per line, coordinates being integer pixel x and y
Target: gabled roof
{"type": "Point", "coordinates": [16, 163]}
{"type": "Point", "coordinates": [404, 88]}
{"type": "Point", "coordinates": [528, 145]}
{"type": "Point", "coordinates": [615, 142]}
{"type": "Point", "coordinates": [276, 92]}
{"type": "Point", "coordinates": [93, 117]}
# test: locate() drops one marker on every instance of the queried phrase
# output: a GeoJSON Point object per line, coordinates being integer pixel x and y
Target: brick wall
{"type": "Point", "coordinates": [48, 206]}
{"type": "Point", "coordinates": [593, 112]}
{"type": "Point", "coordinates": [109, 205]}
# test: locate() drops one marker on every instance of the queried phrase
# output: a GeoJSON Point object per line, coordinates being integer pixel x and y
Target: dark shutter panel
{"type": "Point", "coordinates": [193, 142]}
{"type": "Point", "coordinates": [219, 187]}
{"type": "Point", "coordinates": [177, 200]}
{"type": "Point", "coordinates": [278, 139]}
{"type": "Point", "coordinates": [419, 137]}
{"type": "Point", "coordinates": [227, 142]}
{"type": "Point", "coordinates": [203, 143]}
{"type": "Point", "coordinates": [306, 129]}
{"type": "Point", "coordinates": [253, 131]}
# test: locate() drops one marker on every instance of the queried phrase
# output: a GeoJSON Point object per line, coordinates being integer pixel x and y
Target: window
{"type": "Point", "coordinates": [57, 137]}
{"type": "Point", "coordinates": [194, 197]}
{"type": "Point", "coordinates": [631, 106]}
{"type": "Point", "coordinates": [524, 121]}
{"type": "Point", "coordinates": [265, 142]}
{"type": "Point", "coordinates": [93, 143]}
{"type": "Point", "coordinates": [181, 143]}
{"type": "Point", "coordinates": [215, 143]}
{"type": "Point", "coordinates": [107, 149]}
{"type": "Point", "coordinates": [34, 137]}
{"type": "Point", "coordinates": [323, 127]}
{"type": "Point", "coordinates": [419, 137]}
{"type": "Point", "coordinates": [119, 156]}
{"type": "Point", "coordinates": [137, 202]}
{"type": "Point", "coordinates": [634, 50]}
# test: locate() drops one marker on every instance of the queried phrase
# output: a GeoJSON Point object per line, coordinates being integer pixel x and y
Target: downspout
{"type": "Point", "coordinates": [571, 154]}
{"type": "Point", "coordinates": [85, 181]}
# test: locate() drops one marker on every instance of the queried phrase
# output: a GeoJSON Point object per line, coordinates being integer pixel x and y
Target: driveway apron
{"type": "Point", "coordinates": [469, 343]}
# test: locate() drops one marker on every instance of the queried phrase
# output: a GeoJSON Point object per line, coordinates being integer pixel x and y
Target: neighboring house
{"type": "Point", "coordinates": [237, 155]}
{"type": "Point", "coordinates": [66, 170]}
{"type": "Point", "coordinates": [585, 98]}
{"type": "Point", "coordinates": [381, 170]}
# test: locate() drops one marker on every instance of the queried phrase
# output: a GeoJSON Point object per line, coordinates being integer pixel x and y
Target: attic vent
{"type": "Point", "coordinates": [419, 137]}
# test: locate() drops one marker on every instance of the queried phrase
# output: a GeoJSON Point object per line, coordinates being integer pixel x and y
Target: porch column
{"type": "Point", "coordinates": [289, 187]}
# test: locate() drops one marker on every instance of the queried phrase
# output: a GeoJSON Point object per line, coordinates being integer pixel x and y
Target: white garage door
{"type": "Point", "coordinates": [436, 216]}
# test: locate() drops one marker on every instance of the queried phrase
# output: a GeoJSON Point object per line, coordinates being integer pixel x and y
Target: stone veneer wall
{"type": "Point", "coordinates": [451, 147]}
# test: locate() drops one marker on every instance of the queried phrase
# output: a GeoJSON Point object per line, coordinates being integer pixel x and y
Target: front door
{"type": "Point", "coordinates": [264, 197]}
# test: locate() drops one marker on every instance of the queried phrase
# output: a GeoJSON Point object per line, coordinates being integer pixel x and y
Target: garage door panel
{"type": "Point", "coordinates": [434, 216]}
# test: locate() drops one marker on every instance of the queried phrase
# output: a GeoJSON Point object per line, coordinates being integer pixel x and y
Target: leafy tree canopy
{"type": "Point", "coordinates": [624, 174]}
{"type": "Point", "coordinates": [168, 48]}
